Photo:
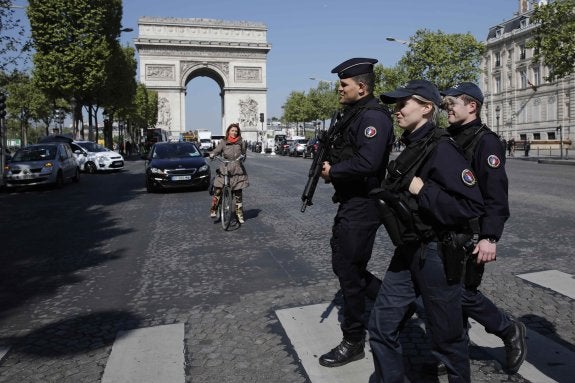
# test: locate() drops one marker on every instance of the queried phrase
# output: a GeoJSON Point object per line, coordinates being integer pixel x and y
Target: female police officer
{"type": "Point", "coordinates": [431, 192]}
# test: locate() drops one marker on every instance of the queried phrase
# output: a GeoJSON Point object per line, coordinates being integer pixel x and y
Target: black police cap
{"type": "Point", "coordinates": [354, 67]}
{"type": "Point", "coordinates": [467, 88]}
{"type": "Point", "coordinates": [421, 88]}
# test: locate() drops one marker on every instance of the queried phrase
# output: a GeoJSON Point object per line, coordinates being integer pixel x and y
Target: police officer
{"type": "Point", "coordinates": [359, 155]}
{"type": "Point", "coordinates": [483, 149]}
{"type": "Point", "coordinates": [433, 197]}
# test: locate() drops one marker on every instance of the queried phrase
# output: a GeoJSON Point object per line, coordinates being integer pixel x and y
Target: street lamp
{"type": "Point", "coordinates": [497, 111]}
{"type": "Point", "coordinates": [74, 126]}
{"type": "Point", "coordinates": [404, 42]}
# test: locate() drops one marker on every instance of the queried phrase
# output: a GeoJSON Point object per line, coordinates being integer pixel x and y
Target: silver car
{"type": "Point", "coordinates": [42, 164]}
{"type": "Point", "coordinates": [93, 157]}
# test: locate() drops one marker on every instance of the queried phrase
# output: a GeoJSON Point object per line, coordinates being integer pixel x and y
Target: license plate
{"type": "Point", "coordinates": [181, 178]}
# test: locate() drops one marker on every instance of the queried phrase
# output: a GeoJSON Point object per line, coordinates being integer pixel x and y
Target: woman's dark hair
{"type": "Point", "coordinates": [234, 125]}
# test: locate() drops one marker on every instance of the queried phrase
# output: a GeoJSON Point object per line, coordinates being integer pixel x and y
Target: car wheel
{"type": "Point", "coordinates": [59, 180]}
{"type": "Point", "coordinates": [76, 177]}
{"type": "Point", "coordinates": [90, 168]}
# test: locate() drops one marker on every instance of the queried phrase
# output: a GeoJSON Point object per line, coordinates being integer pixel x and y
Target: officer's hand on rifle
{"type": "Point", "coordinates": [325, 171]}
{"type": "Point", "coordinates": [415, 185]}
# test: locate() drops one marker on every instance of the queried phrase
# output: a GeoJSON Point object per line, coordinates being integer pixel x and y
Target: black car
{"type": "Point", "coordinates": [176, 165]}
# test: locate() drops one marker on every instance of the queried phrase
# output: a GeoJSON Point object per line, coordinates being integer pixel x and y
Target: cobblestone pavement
{"type": "Point", "coordinates": [152, 259]}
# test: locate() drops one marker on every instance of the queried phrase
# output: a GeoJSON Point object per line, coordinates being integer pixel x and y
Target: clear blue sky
{"type": "Point", "coordinates": [310, 37]}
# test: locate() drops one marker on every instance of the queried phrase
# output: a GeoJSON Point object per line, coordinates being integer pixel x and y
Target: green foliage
{"type": "Point", "coordinates": [444, 59]}
{"type": "Point", "coordinates": [74, 41]}
{"type": "Point", "coordinates": [554, 37]}
{"type": "Point", "coordinates": [13, 45]}
{"type": "Point", "coordinates": [295, 108]}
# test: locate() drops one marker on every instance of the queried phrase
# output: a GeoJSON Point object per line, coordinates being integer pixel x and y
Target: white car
{"type": "Point", "coordinates": [94, 157]}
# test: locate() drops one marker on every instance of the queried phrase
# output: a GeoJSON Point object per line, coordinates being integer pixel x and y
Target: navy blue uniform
{"type": "Point", "coordinates": [488, 162]}
{"type": "Point", "coordinates": [448, 199]}
{"type": "Point", "coordinates": [367, 142]}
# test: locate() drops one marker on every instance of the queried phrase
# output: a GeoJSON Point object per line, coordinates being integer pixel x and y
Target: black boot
{"type": "Point", "coordinates": [515, 346]}
{"type": "Point", "coordinates": [344, 353]}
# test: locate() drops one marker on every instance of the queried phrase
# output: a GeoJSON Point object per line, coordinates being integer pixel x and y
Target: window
{"type": "Point", "coordinates": [524, 22]}
{"type": "Point", "coordinates": [498, 32]}
{"type": "Point", "coordinates": [551, 135]}
{"type": "Point", "coordinates": [536, 76]}
{"type": "Point", "coordinates": [497, 59]}
{"type": "Point", "coordinates": [523, 137]}
{"type": "Point", "coordinates": [522, 78]}
{"type": "Point", "coordinates": [536, 136]}
{"type": "Point", "coordinates": [497, 84]}
{"type": "Point", "coordinates": [522, 52]}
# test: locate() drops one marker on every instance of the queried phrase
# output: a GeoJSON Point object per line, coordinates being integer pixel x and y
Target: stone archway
{"type": "Point", "coordinates": [173, 51]}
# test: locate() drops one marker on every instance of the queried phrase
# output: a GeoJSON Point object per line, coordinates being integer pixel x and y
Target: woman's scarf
{"type": "Point", "coordinates": [233, 140]}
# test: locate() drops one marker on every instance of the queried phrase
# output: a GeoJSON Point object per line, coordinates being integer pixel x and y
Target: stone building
{"type": "Point", "coordinates": [519, 104]}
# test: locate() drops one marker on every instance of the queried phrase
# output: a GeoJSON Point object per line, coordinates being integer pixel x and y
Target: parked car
{"type": "Point", "coordinates": [176, 165]}
{"type": "Point", "coordinates": [93, 157]}
{"type": "Point", "coordinates": [297, 148]}
{"type": "Point", "coordinates": [51, 163]}
{"type": "Point", "coordinates": [311, 148]}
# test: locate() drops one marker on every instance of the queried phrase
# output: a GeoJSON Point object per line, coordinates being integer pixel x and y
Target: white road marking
{"type": "Point", "coordinates": [153, 354]}
{"type": "Point", "coordinates": [555, 280]}
{"type": "Point", "coordinates": [311, 337]}
{"type": "Point", "coordinates": [3, 351]}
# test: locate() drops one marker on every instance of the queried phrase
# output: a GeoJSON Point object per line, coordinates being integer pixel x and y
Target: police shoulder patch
{"type": "Point", "coordinates": [370, 132]}
{"type": "Point", "coordinates": [493, 161]}
{"type": "Point", "coordinates": [468, 177]}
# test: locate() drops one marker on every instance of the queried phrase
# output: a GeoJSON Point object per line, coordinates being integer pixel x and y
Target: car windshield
{"type": "Point", "coordinates": [179, 150]}
{"type": "Point", "coordinates": [93, 147]}
{"type": "Point", "coordinates": [35, 153]}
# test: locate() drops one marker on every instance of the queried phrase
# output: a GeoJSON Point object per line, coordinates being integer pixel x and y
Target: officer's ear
{"type": "Point", "coordinates": [362, 88]}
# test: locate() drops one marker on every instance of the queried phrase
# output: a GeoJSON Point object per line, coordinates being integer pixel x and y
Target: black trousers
{"type": "Point", "coordinates": [353, 234]}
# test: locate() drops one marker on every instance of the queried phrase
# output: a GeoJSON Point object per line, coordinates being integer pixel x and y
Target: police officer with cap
{"type": "Point", "coordinates": [358, 158]}
{"type": "Point", "coordinates": [487, 157]}
{"type": "Point", "coordinates": [431, 196]}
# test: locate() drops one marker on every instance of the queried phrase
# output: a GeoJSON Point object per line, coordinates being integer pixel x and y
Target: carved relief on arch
{"type": "Point", "coordinates": [248, 74]}
{"type": "Point", "coordinates": [248, 112]}
{"type": "Point", "coordinates": [160, 72]}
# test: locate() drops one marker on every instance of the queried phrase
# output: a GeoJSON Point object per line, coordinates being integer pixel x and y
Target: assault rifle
{"type": "Point", "coordinates": [325, 140]}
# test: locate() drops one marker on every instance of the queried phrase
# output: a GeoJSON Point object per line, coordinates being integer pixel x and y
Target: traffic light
{"type": "Point", "coordinates": [59, 116]}
{"type": "Point", "coordinates": [2, 105]}
{"type": "Point", "coordinates": [261, 117]}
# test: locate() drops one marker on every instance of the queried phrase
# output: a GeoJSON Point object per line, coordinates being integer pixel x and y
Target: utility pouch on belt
{"type": "Point", "coordinates": [390, 222]}
{"type": "Point", "coordinates": [455, 249]}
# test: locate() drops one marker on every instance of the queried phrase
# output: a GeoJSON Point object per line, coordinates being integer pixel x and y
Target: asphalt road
{"type": "Point", "coordinates": [83, 262]}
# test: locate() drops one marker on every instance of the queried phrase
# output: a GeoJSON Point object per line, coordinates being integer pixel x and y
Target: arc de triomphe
{"type": "Point", "coordinates": [173, 51]}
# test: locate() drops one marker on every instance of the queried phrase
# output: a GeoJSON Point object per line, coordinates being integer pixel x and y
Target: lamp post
{"type": "Point", "coordinates": [404, 42]}
{"type": "Point", "coordinates": [560, 130]}
{"type": "Point", "coordinates": [497, 111]}
{"type": "Point", "coordinates": [74, 126]}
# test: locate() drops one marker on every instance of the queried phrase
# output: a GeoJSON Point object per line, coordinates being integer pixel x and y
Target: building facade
{"type": "Point", "coordinates": [519, 104]}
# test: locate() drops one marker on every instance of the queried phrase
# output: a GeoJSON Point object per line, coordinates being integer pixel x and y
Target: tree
{"type": "Point", "coordinates": [13, 45]}
{"type": "Point", "coordinates": [554, 37]}
{"type": "Point", "coordinates": [75, 43]}
{"type": "Point", "coordinates": [444, 59]}
{"type": "Point", "coordinates": [322, 100]}
{"type": "Point", "coordinates": [296, 108]}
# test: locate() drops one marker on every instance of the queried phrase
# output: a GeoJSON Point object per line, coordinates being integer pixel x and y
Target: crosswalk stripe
{"type": "Point", "coordinates": [152, 354]}
{"type": "Point", "coordinates": [547, 361]}
{"type": "Point", "coordinates": [314, 330]}
{"type": "Point", "coordinates": [555, 280]}
{"type": "Point", "coordinates": [3, 351]}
